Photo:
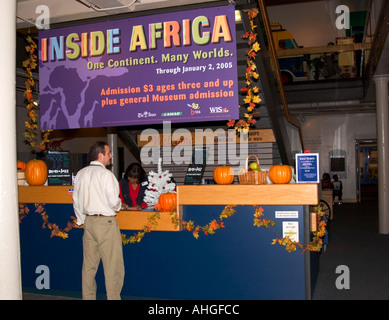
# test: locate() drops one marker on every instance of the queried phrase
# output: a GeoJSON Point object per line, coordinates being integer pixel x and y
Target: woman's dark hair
{"type": "Point", "coordinates": [98, 147]}
{"type": "Point", "coordinates": [135, 170]}
{"type": "Point", "coordinates": [326, 176]}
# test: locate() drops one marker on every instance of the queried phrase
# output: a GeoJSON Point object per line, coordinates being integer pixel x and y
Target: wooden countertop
{"type": "Point", "coordinates": [136, 220]}
{"type": "Point", "coordinates": [45, 194]}
{"type": "Point", "coordinates": [238, 194]}
{"type": "Point", "coordinates": [269, 194]}
{"type": "Point", "coordinates": [128, 220]}
{"type": "Point", "coordinates": [213, 194]}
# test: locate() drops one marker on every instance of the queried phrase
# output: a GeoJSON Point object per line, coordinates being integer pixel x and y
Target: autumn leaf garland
{"type": "Point", "coordinates": [261, 221]}
{"type": "Point", "coordinates": [152, 220]}
{"type": "Point", "coordinates": [55, 230]}
{"type": "Point", "coordinates": [209, 229]}
{"type": "Point", "coordinates": [32, 131]}
{"type": "Point", "coordinates": [251, 91]}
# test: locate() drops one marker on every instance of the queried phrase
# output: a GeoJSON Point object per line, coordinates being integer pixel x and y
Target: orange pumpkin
{"type": "Point", "coordinates": [223, 175]}
{"type": "Point", "coordinates": [167, 202]}
{"type": "Point", "coordinates": [35, 172]}
{"type": "Point", "coordinates": [21, 165]}
{"type": "Point", "coordinates": [280, 174]}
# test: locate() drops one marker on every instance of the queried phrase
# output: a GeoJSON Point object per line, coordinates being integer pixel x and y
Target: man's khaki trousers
{"type": "Point", "coordinates": [102, 241]}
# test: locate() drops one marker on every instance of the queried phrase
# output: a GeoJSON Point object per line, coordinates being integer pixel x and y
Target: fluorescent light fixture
{"type": "Point", "coordinates": [94, 7]}
{"type": "Point", "coordinates": [238, 17]}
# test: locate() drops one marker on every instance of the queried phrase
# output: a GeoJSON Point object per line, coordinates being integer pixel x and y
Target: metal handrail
{"type": "Point", "coordinates": [367, 23]}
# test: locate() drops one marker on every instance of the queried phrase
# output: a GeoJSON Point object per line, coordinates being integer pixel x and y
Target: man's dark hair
{"type": "Point", "coordinates": [98, 147]}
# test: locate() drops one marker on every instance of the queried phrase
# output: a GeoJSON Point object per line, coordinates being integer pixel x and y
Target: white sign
{"type": "Point", "coordinates": [307, 168]}
{"type": "Point", "coordinates": [291, 229]}
{"type": "Point", "coordinates": [287, 214]}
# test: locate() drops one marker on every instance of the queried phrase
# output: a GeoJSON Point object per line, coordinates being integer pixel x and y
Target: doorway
{"type": "Point", "coordinates": [367, 169]}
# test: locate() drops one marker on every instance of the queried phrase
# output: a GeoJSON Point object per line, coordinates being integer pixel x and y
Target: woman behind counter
{"type": "Point", "coordinates": [326, 181]}
{"type": "Point", "coordinates": [132, 187]}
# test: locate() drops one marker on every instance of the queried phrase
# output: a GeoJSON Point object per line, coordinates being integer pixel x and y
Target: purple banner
{"type": "Point", "coordinates": [178, 67]}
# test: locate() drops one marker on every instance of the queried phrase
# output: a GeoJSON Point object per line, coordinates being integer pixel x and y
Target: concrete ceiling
{"type": "Point", "coordinates": [28, 11]}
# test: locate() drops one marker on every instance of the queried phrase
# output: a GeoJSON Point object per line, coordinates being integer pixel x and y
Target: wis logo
{"type": "Point", "coordinates": [218, 110]}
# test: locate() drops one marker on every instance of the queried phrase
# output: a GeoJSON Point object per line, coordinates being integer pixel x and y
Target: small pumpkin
{"type": "Point", "coordinates": [35, 172]}
{"type": "Point", "coordinates": [223, 175]}
{"type": "Point", "coordinates": [167, 202]}
{"type": "Point", "coordinates": [280, 174]}
{"type": "Point", "coordinates": [21, 165]}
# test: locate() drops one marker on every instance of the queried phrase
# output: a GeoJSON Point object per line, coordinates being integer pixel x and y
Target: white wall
{"type": "Point", "coordinates": [321, 134]}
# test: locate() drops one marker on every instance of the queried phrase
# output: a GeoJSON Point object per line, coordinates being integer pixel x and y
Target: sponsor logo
{"type": "Point", "coordinates": [171, 114]}
{"type": "Point", "coordinates": [218, 110]}
{"type": "Point", "coordinates": [194, 109]}
{"type": "Point", "coordinates": [146, 114]}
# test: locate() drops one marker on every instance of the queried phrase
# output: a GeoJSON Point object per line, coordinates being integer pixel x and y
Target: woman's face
{"type": "Point", "coordinates": [133, 180]}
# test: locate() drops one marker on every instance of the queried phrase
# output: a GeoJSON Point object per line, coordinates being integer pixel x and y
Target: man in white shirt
{"type": "Point", "coordinates": [96, 201]}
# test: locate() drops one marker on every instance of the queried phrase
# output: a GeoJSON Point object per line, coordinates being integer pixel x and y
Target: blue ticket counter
{"type": "Point", "coordinates": [237, 262]}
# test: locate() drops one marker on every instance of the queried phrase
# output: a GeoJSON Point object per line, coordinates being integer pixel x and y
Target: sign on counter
{"type": "Point", "coordinates": [307, 168]}
{"type": "Point", "coordinates": [58, 168]}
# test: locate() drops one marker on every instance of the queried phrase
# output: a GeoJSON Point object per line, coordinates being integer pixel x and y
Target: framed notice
{"type": "Point", "coordinates": [196, 169]}
{"type": "Point", "coordinates": [194, 173]}
{"type": "Point", "coordinates": [177, 67]}
{"type": "Point", "coordinates": [307, 168]}
{"type": "Point", "coordinates": [58, 168]}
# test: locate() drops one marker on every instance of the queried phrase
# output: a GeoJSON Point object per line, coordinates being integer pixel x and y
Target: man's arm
{"type": "Point", "coordinates": [113, 192]}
